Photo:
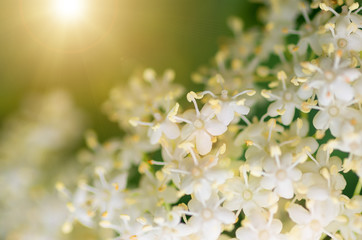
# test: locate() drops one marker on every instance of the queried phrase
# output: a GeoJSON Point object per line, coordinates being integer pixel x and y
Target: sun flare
{"type": "Point", "coordinates": [69, 9]}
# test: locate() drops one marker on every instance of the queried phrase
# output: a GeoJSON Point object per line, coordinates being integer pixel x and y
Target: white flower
{"type": "Point", "coordinates": [226, 107]}
{"type": "Point", "coordinates": [207, 218]}
{"type": "Point", "coordinates": [333, 117]}
{"type": "Point", "coordinates": [280, 175]}
{"type": "Point", "coordinates": [246, 194]}
{"type": "Point", "coordinates": [331, 79]}
{"type": "Point", "coordinates": [285, 100]}
{"type": "Point", "coordinates": [201, 126]}
{"type": "Point", "coordinates": [349, 221]}
{"type": "Point", "coordinates": [344, 31]}
{"type": "Point", "coordinates": [105, 197]}
{"type": "Point", "coordinates": [259, 226]}
{"type": "Point", "coordinates": [202, 176]}
{"type": "Point", "coordinates": [167, 226]}
{"type": "Point", "coordinates": [312, 223]}
{"type": "Point", "coordinates": [351, 136]}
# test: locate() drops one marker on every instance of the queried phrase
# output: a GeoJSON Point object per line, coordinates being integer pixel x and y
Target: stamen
{"type": "Point", "coordinates": [324, 7]}
{"type": "Point", "coordinates": [245, 120]}
{"type": "Point", "coordinates": [311, 157]}
{"type": "Point", "coordinates": [282, 76]}
{"type": "Point", "coordinates": [193, 155]}
{"type": "Point", "coordinates": [249, 92]}
{"type": "Point", "coordinates": [191, 96]}
{"type": "Point", "coordinates": [207, 92]}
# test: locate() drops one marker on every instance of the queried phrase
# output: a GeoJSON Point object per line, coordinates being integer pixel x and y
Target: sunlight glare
{"type": "Point", "coordinates": [69, 9]}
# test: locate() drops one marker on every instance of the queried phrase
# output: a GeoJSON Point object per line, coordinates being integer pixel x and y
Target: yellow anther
{"type": "Point", "coordinates": [134, 121]}
{"type": "Point", "coordinates": [149, 74]}
{"type": "Point", "coordinates": [249, 143]}
{"type": "Point", "coordinates": [281, 75]}
{"type": "Point", "coordinates": [262, 71]}
{"type": "Point", "coordinates": [91, 139]}
{"type": "Point", "coordinates": [143, 167]}
{"type": "Point", "coordinates": [191, 96]}
{"type": "Point", "coordinates": [265, 93]}
{"type": "Point", "coordinates": [320, 134]}
{"type": "Point", "coordinates": [273, 84]}
{"type": "Point", "coordinates": [169, 75]}
{"type": "Point", "coordinates": [324, 7]}
{"type": "Point", "coordinates": [281, 111]}
{"type": "Point", "coordinates": [67, 227]}
{"type": "Point", "coordinates": [59, 186]}
{"type": "Point", "coordinates": [275, 150]}
{"type": "Point", "coordinates": [353, 6]}
{"type": "Point", "coordinates": [222, 149]}
{"type": "Point", "coordinates": [330, 26]}
{"type": "Point", "coordinates": [116, 186]}
{"type": "Point", "coordinates": [104, 223]}
{"type": "Point", "coordinates": [251, 92]}
{"type": "Point", "coordinates": [352, 27]}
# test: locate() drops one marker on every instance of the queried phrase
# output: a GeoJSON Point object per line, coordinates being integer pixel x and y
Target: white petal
{"type": "Point", "coordinates": [170, 129]}
{"type": "Point", "coordinates": [267, 182]}
{"type": "Point", "coordinates": [211, 230]}
{"type": "Point", "coordinates": [215, 128]}
{"type": "Point", "coordinates": [317, 193]}
{"type": "Point", "coordinates": [155, 135]}
{"type": "Point", "coordinates": [285, 189]}
{"type": "Point", "coordinates": [203, 142]}
{"type": "Point", "coordinates": [320, 120]}
{"type": "Point", "coordinates": [273, 107]}
{"type": "Point", "coordinates": [241, 109]}
{"type": "Point", "coordinates": [225, 216]}
{"type": "Point", "coordinates": [226, 115]}
{"type": "Point", "coordinates": [203, 190]}
{"type": "Point", "coordinates": [343, 91]}
{"type": "Point", "coordinates": [288, 115]}
{"type": "Point", "coordinates": [244, 233]}
{"type": "Point", "coordinates": [299, 214]}
{"type": "Point", "coordinates": [276, 226]}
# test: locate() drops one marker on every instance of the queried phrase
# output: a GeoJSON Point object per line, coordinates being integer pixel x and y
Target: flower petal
{"type": "Point", "coordinates": [215, 128]}
{"type": "Point", "coordinates": [203, 142]}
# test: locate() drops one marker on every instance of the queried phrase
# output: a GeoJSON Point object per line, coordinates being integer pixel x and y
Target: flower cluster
{"type": "Point", "coordinates": [35, 143]}
{"type": "Point", "coordinates": [220, 169]}
{"type": "Point", "coordinates": [261, 153]}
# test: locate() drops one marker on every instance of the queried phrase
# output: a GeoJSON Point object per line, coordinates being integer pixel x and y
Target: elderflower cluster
{"type": "Point", "coordinates": [261, 153]}
{"type": "Point", "coordinates": [35, 143]}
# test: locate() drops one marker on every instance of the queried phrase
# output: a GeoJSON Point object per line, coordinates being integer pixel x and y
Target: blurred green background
{"type": "Point", "coordinates": [89, 57]}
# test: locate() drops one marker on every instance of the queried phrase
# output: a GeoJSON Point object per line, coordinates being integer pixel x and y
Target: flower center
{"type": "Point", "coordinates": [281, 174]}
{"type": "Point", "coordinates": [264, 235]}
{"type": "Point", "coordinates": [198, 124]}
{"type": "Point", "coordinates": [247, 195]}
{"type": "Point", "coordinates": [333, 111]}
{"type": "Point", "coordinates": [224, 94]}
{"type": "Point", "coordinates": [196, 172]}
{"type": "Point", "coordinates": [342, 43]}
{"type": "Point", "coordinates": [329, 76]}
{"type": "Point", "coordinates": [315, 225]}
{"type": "Point", "coordinates": [288, 96]}
{"type": "Point", "coordinates": [207, 214]}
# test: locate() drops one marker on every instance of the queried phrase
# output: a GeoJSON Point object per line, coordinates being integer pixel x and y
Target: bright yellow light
{"type": "Point", "coordinates": [69, 9]}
